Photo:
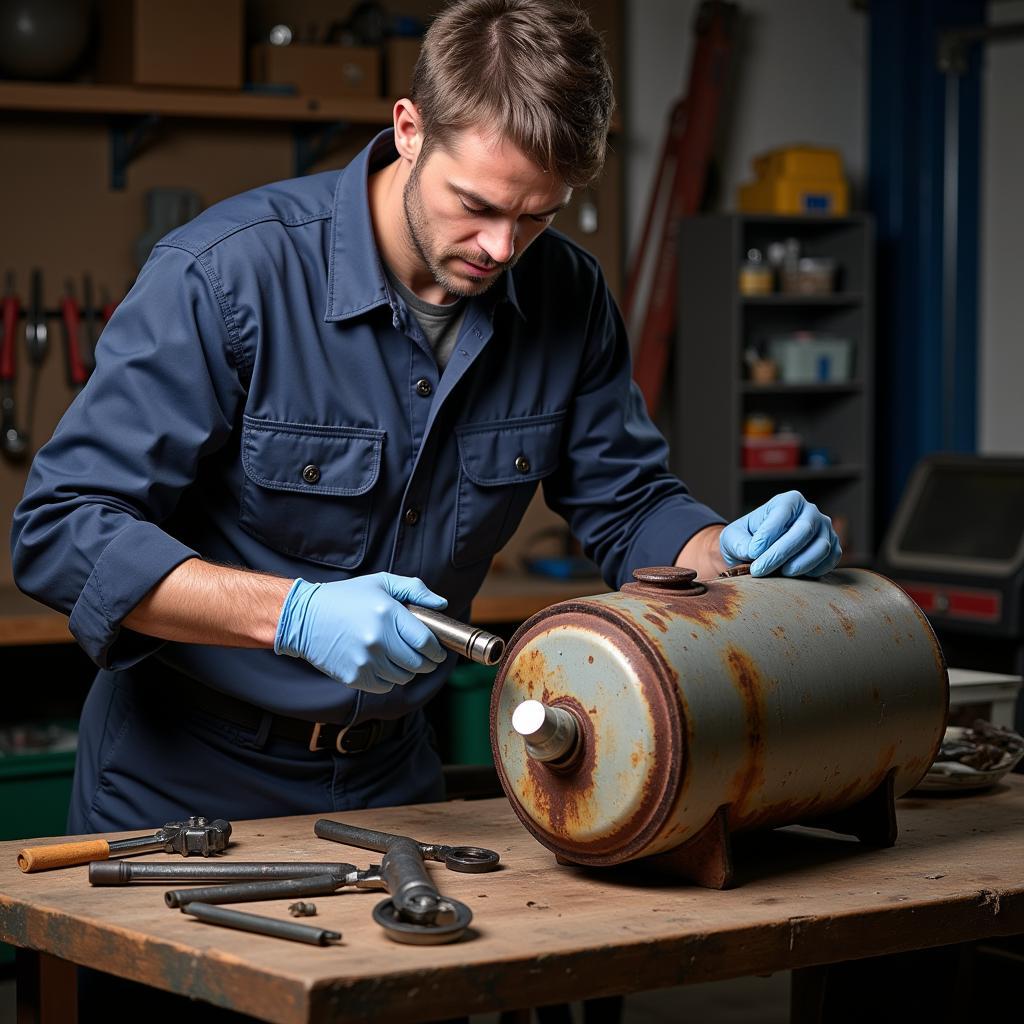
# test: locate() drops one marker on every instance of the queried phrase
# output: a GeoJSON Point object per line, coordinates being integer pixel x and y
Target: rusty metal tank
{"type": "Point", "coordinates": [657, 721]}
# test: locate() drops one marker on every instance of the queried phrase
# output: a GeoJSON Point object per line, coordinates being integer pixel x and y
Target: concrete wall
{"type": "Point", "coordinates": [801, 78]}
{"type": "Point", "coordinates": [1001, 344]}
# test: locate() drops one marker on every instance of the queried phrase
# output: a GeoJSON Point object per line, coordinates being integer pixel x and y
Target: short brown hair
{"type": "Point", "coordinates": [534, 69]}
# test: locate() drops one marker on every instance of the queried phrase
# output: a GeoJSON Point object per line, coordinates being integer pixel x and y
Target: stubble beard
{"type": "Point", "coordinates": [421, 239]}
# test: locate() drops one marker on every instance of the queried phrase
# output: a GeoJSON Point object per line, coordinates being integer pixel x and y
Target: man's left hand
{"type": "Point", "coordinates": [787, 535]}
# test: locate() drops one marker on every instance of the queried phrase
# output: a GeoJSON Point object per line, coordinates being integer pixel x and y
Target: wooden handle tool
{"type": "Point", "coordinates": [62, 855]}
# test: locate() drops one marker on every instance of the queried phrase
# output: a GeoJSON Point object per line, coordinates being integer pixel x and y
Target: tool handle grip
{"type": "Point", "coordinates": [352, 835]}
{"type": "Point", "coordinates": [9, 314]}
{"type": "Point", "coordinates": [62, 855]}
{"type": "Point", "coordinates": [77, 372]}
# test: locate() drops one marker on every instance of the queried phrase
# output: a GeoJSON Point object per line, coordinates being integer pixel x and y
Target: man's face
{"type": "Point", "coordinates": [473, 207]}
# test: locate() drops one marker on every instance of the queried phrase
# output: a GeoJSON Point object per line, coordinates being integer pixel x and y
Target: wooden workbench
{"type": "Point", "coordinates": [544, 933]}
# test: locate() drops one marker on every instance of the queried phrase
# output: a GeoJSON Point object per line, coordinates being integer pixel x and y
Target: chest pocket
{"type": "Point", "coordinates": [308, 489]}
{"type": "Point", "coordinates": [500, 465]}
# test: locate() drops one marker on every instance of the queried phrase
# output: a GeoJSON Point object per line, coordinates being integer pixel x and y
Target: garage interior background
{"type": "Point", "coordinates": [803, 73]}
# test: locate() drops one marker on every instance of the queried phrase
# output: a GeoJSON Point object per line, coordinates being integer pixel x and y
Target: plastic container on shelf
{"type": "Point", "coordinates": [778, 451]}
{"type": "Point", "coordinates": [808, 358]}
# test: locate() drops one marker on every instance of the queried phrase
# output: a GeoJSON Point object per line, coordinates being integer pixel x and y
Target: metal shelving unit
{"type": "Point", "coordinates": [712, 395]}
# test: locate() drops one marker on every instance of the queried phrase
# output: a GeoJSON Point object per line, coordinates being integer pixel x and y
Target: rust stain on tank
{"type": "Point", "coordinates": [657, 621]}
{"type": "Point", "coordinates": [751, 688]}
{"type": "Point", "coordinates": [721, 601]}
{"type": "Point", "coordinates": [844, 620]}
{"type": "Point", "coordinates": [779, 633]}
{"type": "Point", "coordinates": [531, 669]}
{"type": "Point", "coordinates": [590, 659]}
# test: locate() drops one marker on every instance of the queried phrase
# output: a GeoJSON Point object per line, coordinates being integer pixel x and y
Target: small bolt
{"type": "Point", "coordinates": [302, 909]}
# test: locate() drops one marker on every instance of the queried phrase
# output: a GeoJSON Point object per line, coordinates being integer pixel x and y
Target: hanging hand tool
{"type": "Point", "coordinates": [88, 346]}
{"type": "Point", "coordinates": [125, 872]}
{"type": "Point", "coordinates": [324, 884]}
{"type": "Point", "coordinates": [194, 836]}
{"type": "Point", "coordinates": [260, 925]}
{"type": "Point", "coordinates": [468, 859]}
{"type": "Point", "coordinates": [37, 343]}
{"type": "Point", "coordinates": [13, 441]}
{"type": "Point", "coordinates": [107, 306]}
{"type": "Point", "coordinates": [70, 313]}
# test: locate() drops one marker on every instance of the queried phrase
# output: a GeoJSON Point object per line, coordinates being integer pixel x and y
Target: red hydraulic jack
{"type": "Point", "coordinates": [678, 191]}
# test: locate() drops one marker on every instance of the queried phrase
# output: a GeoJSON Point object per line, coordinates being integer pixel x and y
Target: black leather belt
{"type": "Point", "coordinates": [350, 739]}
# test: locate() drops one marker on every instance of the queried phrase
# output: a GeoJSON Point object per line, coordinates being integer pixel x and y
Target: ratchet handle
{"type": "Point", "coordinates": [9, 313]}
{"type": "Point", "coordinates": [62, 855]}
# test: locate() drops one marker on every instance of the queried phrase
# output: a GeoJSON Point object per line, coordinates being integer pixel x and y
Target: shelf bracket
{"type": "Point", "coordinates": [313, 144]}
{"type": "Point", "coordinates": [128, 138]}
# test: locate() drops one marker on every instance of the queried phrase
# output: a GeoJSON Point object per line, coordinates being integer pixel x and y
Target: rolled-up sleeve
{"type": "Point", "coordinates": [86, 536]}
{"type": "Point", "coordinates": [613, 487]}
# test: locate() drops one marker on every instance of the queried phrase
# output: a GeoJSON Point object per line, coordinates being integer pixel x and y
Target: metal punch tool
{"type": "Point", "coordinates": [324, 884]}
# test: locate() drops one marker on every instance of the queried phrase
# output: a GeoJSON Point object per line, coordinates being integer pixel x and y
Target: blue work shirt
{"type": "Point", "coordinates": [263, 398]}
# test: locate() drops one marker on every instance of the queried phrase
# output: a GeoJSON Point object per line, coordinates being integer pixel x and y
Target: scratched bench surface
{"type": "Point", "coordinates": [541, 932]}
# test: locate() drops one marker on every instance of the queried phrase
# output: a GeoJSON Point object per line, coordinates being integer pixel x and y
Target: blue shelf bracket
{"type": "Point", "coordinates": [128, 138]}
{"type": "Point", "coordinates": [313, 144]}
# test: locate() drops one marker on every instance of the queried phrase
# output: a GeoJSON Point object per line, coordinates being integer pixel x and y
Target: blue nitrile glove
{"type": "Point", "coordinates": [787, 535]}
{"type": "Point", "coordinates": [358, 632]}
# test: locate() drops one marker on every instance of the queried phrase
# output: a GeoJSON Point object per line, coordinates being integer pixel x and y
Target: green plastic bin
{"type": "Point", "coordinates": [469, 709]}
{"type": "Point", "coordinates": [35, 791]}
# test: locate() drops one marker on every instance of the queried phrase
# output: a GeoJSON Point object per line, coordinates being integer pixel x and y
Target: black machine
{"type": "Point", "coordinates": [956, 545]}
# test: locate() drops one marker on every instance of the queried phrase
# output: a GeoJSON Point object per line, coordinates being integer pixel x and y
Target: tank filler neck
{"type": "Point", "coordinates": [670, 579]}
{"type": "Point", "coordinates": [551, 733]}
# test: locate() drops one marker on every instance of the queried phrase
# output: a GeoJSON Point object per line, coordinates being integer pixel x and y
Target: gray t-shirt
{"type": "Point", "coordinates": [440, 324]}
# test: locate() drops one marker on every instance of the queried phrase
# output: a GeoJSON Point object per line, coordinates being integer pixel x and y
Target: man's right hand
{"type": "Point", "coordinates": [359, 632]}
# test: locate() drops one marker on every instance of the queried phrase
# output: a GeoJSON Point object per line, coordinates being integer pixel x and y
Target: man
{"type": "Point", "coordinates": [330, 396]}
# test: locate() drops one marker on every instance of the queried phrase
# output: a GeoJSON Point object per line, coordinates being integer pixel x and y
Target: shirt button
{"type": "Point", "coordinates": [424, 387]}
{"type": "Point", "coordinates": [412, 516]}
{"type": "Point", "coordinates": [523, 464]}
{"type": "Point", "coordinates": [311, 474]}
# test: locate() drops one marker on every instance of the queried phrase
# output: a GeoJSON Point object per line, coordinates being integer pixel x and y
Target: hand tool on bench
{"type": "Point", "coordinates": [260, 925]}
{"type": "Point", "coordinates": [13, 441]}
{"type": "Point", "coordinates": [125, 872]}
{"type": "Point", "coordinates": [324, 884]}
{"type": "Point", "coordinates": [468, 859]}
{"type": "Point", "coordinates": [476, 644]}
{"type": "Point", "coordinates": [197, 835]}
{"type": "Point", "coordinates": [416, 912]}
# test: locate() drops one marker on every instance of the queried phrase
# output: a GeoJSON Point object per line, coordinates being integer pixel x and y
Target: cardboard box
{"type": "Point", "coordinates": [323, 71]}
{"type": "Point", "coordinates": [192, 43]}
{"type": "Point", "coordinates": [401, 54]}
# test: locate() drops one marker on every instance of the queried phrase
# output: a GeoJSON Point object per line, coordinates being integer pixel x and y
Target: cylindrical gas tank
{"type": "Point", "coordinates": [750, 702]}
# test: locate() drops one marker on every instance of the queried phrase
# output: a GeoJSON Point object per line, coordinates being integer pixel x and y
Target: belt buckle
{"type": "Point", "coordinates": [314, 739]}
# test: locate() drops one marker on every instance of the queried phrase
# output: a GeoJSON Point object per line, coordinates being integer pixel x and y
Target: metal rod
{"type": "Point", "coordinates": [262, 925]}
{"type": "Point", "coordinates": [476, 644]}
{"type": "Point", "coordinates": [123, 872]}
{"type": "Point", "coordinates": [253, 892]}
{"type": "Point", "coordinates": [551, 733]}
